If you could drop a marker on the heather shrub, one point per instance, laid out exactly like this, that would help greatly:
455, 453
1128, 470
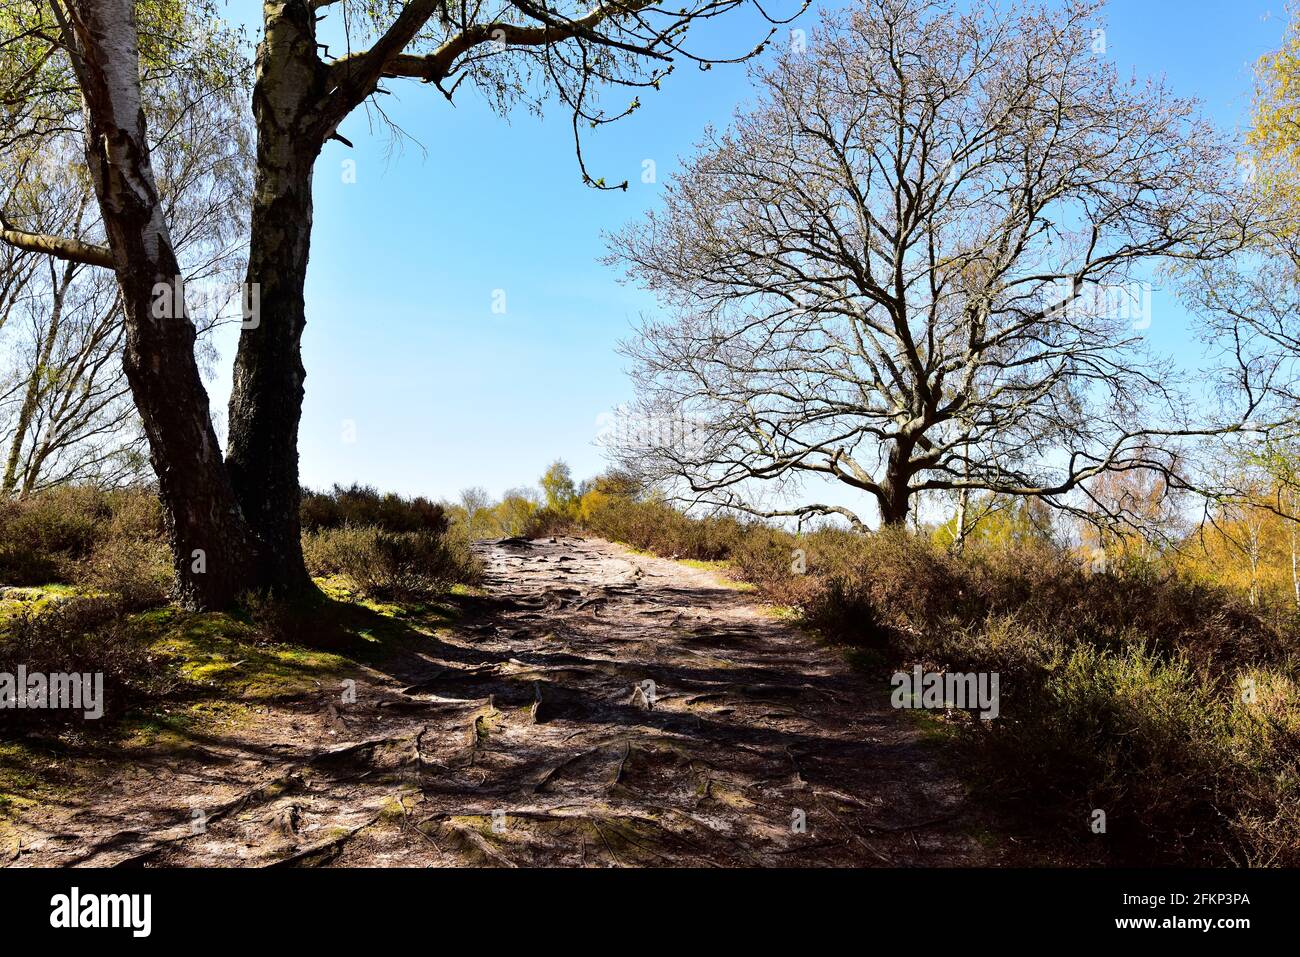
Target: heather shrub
383, 544
1142, 737
653, 526
138, 571
361, 505
46, 537
1264, 728
386, 564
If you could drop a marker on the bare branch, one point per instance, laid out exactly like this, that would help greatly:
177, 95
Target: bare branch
72, 250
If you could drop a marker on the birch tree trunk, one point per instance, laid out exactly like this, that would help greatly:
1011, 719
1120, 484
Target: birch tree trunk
212, 551
959, 540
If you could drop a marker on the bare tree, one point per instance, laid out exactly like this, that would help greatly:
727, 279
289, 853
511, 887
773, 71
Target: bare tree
73, 420
915, 266
1249, 305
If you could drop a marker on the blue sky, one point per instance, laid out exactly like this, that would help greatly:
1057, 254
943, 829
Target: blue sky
415, 384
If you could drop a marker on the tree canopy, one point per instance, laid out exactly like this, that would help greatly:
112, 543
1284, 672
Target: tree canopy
917, 265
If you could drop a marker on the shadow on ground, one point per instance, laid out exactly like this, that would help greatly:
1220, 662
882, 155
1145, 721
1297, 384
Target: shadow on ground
593, 708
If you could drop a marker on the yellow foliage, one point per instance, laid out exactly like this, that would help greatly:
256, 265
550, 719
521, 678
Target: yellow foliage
1250, 547
1275, 137
997, 521
591, 503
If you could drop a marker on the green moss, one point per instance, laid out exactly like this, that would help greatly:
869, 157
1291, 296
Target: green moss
173, 727
34, 599
394, 809
420, 614
486, 723
480, 824
225, 665
219, 651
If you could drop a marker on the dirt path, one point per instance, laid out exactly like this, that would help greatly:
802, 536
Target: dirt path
528, 735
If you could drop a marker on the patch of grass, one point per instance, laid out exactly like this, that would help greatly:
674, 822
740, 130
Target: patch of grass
722, 571
931, 726
787, 613
51, 590
710, 566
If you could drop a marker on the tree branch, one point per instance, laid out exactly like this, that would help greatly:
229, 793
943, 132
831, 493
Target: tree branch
72, 250
386, 59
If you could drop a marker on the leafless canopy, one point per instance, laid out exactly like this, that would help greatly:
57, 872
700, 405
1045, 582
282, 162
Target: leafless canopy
915, 265
1250, 307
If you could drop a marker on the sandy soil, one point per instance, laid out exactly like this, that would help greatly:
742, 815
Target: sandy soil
528, 735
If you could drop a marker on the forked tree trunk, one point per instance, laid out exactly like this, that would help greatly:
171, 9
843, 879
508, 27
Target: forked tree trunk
894, 497
212, 551
266, 401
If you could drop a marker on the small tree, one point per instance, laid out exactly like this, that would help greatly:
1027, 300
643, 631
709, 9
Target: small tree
913, 267
558, 489
515, 510
1151, 519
